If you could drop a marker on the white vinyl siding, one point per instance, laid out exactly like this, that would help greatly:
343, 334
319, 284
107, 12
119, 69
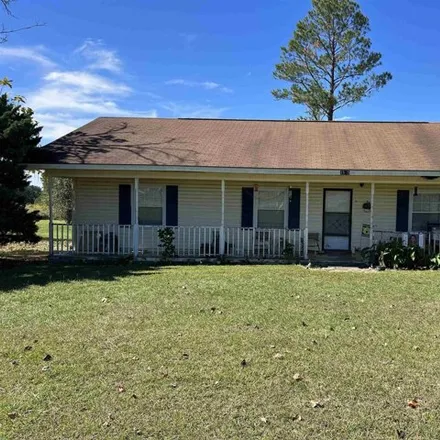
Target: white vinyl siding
97, 201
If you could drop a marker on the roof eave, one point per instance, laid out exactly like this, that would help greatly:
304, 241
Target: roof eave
274, 171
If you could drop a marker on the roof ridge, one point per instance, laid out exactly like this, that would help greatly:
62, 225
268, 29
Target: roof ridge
268, 120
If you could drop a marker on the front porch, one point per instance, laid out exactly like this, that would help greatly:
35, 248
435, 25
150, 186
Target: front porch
254, 220
195, 242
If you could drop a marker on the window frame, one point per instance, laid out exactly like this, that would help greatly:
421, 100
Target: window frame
286, 205
411, 206
164, 204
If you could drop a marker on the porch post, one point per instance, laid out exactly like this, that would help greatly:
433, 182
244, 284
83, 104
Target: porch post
136, 219
49, 190
373, 188
306, 229
222, 226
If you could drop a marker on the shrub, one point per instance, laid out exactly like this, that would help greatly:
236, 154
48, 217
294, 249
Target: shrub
289, 252
394, 255
166, 237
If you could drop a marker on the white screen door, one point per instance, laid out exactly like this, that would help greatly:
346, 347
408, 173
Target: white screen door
337, 220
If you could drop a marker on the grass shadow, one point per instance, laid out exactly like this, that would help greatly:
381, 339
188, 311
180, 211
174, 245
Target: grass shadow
41, 273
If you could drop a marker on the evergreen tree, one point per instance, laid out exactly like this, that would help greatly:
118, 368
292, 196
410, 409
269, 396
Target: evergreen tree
19, 135
329, 60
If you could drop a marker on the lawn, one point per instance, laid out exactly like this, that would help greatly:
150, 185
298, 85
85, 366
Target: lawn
218, 352
29, 251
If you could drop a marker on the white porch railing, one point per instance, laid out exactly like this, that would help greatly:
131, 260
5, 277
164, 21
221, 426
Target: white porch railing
263, 243
189, 241
385, 236
433, 243
431, 240
90, 239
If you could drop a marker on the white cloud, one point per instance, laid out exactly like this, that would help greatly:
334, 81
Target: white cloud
101, 57
207, 85
31, 54
58, 124
88, 82
183, 110
69, 99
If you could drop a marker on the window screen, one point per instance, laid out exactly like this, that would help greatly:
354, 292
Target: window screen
150, 205
271, 207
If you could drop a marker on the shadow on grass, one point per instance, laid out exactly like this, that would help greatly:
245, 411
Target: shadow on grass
19, 276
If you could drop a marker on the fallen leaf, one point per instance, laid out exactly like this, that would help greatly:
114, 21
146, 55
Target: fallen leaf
47, 358
413, 403
316, 404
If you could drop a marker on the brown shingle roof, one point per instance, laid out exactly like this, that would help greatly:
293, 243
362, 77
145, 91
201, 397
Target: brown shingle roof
250, 144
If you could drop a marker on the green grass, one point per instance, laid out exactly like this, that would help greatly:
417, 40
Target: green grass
364, 343
43, 229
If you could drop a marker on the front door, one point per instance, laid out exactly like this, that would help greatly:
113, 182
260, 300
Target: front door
337, 219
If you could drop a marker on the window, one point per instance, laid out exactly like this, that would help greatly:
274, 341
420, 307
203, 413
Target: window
426, 212
151, 205
271, 208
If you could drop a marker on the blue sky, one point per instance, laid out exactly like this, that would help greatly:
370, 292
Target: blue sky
199, 58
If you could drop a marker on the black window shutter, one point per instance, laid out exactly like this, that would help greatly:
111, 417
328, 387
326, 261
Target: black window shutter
247, 207
294, 208
172, 203
402, 211
125, 204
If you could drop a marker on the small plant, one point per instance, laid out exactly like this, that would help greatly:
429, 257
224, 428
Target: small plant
394, 255
166, 237
435, 262
289, 252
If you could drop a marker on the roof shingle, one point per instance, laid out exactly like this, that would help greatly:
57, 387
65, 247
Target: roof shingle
249, 144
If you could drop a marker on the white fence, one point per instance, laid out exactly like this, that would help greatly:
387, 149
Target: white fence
85, 239
198, 241
263, 243
189, 241
430, 241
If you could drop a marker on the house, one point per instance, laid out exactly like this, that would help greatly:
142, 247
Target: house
245, 188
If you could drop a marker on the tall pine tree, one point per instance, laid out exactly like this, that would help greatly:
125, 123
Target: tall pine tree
329, 61
19, 135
